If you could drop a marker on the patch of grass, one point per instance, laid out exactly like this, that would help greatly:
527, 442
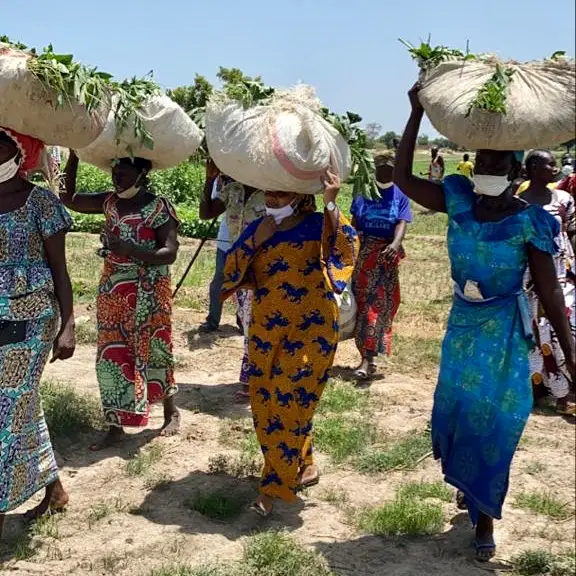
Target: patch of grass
17, 547
336, 496
141, 462
423, 490
545, 504
103, 510
402, 454
543, 563
340, 397
342, 436
160, 482
535, 468
403, 517
277, 554
46, 526
68, 413
240, 434
241, 466
197, 571
416, 352
217, 505
86, 333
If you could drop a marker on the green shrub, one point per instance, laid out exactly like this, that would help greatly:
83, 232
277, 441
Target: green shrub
182, 184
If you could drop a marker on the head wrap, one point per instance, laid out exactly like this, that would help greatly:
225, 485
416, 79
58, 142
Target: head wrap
30, 148
141, 164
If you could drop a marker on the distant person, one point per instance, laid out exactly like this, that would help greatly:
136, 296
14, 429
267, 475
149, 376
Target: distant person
395, 143
465, 167
382, 226
242, 205
547, 360
214, 317
436, 169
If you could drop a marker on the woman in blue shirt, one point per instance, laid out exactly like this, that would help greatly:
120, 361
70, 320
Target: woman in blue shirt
376, 285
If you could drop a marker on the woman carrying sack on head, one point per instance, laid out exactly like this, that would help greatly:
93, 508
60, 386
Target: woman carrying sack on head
36, 316
294, 260
547, 361
382, 226
483, 397
134, 363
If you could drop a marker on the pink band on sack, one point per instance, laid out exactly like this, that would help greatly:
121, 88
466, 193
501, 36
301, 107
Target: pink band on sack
286, 163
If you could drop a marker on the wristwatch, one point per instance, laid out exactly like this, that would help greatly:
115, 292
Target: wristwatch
330, 206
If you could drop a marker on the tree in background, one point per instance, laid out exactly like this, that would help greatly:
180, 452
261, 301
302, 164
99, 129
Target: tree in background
388, 139
194, 96
423, 141
373, 131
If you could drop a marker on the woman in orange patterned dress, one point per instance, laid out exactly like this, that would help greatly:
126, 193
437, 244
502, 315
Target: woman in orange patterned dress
134, 363
294, 260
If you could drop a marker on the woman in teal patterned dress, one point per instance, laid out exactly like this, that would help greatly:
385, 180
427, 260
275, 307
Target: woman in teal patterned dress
483, 398
35, 316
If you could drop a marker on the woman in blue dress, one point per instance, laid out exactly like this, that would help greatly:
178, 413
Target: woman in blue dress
483, 397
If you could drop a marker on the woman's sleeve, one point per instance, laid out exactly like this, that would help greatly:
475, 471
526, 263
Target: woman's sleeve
339, 251
541, 230
163, 212
458, 193
51, 214
237, 271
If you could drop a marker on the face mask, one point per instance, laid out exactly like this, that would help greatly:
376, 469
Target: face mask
130, 192
8, 170
490, 185
384, 186
280, 214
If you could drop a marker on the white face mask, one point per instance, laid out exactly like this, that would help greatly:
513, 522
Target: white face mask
384, 186
280, 214
490, 185
8, 170
130, 192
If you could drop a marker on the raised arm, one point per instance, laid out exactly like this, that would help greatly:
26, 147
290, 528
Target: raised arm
210, 207
424, 192
551, 297
84, 203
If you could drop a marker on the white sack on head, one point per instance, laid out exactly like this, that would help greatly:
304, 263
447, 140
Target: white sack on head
176, 137
540, 107
27, 107
285, 145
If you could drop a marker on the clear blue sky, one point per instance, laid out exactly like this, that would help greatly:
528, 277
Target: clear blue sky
348, 50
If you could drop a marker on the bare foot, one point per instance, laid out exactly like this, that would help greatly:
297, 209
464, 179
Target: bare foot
171, 425
59, 498
262, 506
113, 437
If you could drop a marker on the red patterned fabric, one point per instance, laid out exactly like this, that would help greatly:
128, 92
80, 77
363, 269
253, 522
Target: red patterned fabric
30, 148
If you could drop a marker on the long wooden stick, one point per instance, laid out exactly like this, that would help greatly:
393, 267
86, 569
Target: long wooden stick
202, 242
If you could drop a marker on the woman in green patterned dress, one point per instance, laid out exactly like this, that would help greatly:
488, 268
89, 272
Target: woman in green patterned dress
134, 362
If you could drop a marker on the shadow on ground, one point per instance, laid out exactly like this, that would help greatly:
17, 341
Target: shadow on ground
174, 504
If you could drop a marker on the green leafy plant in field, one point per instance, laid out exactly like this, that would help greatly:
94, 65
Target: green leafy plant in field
428, 56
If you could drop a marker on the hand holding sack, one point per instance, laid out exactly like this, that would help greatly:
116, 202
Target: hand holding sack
175, 137
284, 145
539, 105
29, 108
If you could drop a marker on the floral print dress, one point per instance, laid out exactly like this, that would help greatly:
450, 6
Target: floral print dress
27, 462
134, 363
